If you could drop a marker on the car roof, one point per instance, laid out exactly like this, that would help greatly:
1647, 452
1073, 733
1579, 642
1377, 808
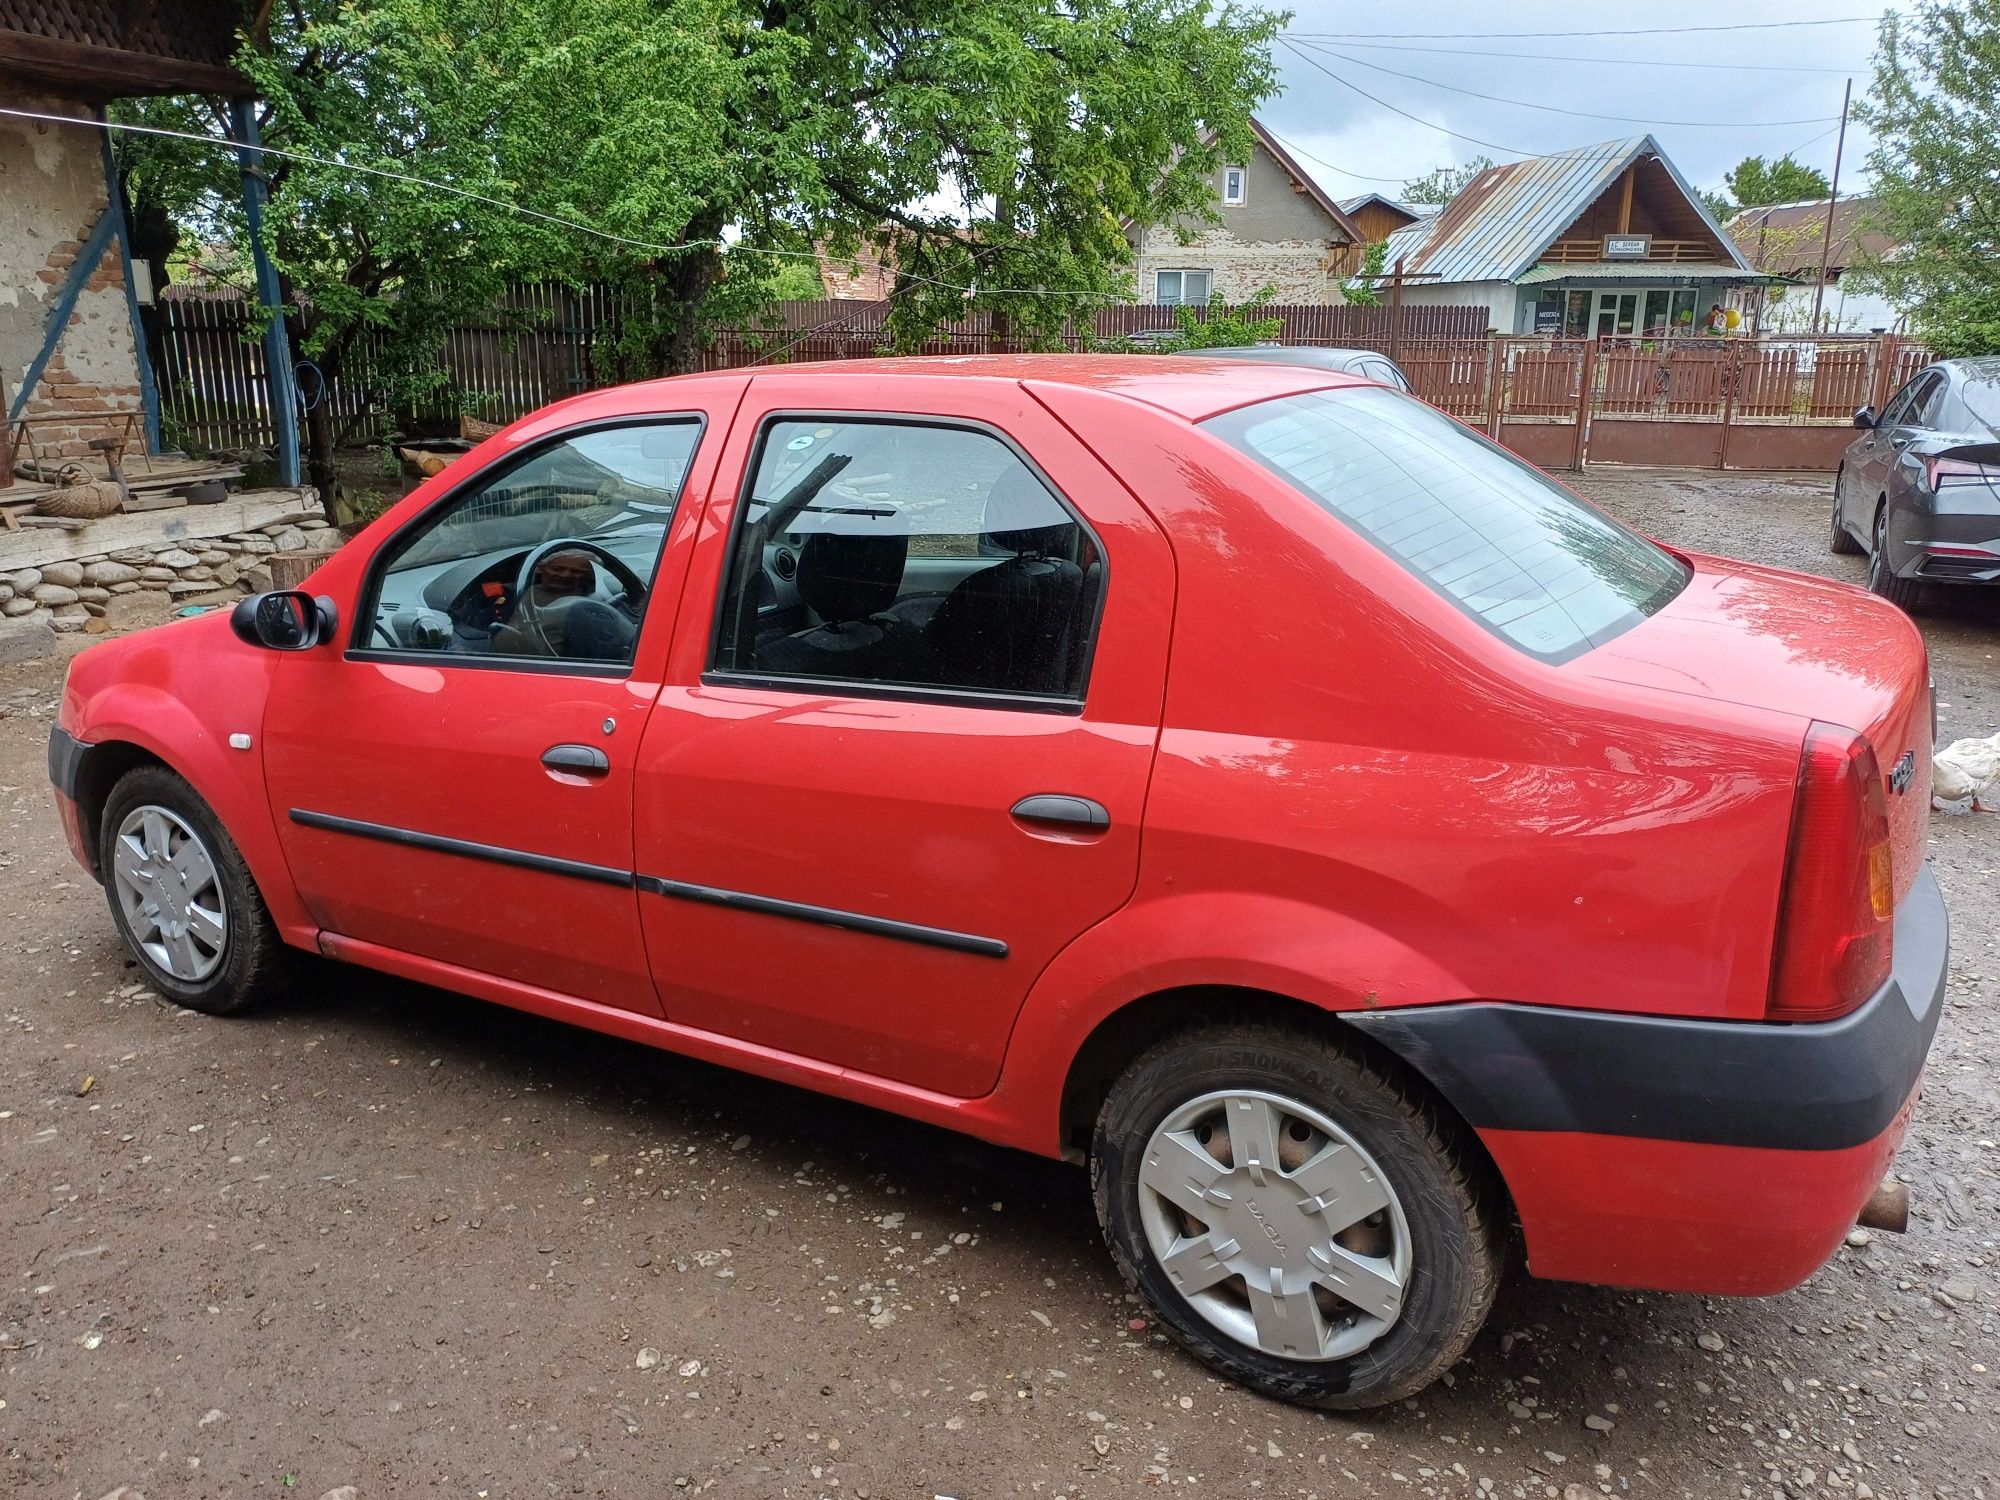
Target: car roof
1185, 384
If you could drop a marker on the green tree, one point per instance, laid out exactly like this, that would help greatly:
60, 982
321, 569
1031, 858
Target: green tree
1360, 289
1934, 111
1756, 183
1440, 187
1001, 145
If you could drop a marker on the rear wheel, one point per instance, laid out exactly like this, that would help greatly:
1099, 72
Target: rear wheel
183, 899
1841, 540
1298, 1219
1904, 593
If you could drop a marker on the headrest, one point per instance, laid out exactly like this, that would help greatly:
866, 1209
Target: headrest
844, 578
1023, 517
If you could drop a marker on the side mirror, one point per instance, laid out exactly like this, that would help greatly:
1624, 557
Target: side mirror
284, 620
1865, 418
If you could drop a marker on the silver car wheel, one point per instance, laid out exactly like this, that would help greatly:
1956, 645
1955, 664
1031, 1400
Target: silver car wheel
1275, 1225
170, 893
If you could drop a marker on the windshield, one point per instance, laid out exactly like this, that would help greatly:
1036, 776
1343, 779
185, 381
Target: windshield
595, 485
1508, 546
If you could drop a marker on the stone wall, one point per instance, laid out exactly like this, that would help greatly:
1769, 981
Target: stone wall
76, 593
52, 193
1240, 268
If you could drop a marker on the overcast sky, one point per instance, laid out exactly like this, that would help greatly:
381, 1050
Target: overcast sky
1631, 80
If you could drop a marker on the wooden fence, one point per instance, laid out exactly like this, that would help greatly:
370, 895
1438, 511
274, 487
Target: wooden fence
549, 341
1777, 401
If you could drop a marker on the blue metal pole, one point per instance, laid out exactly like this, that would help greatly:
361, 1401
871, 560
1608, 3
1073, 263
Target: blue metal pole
277, 345
149, 392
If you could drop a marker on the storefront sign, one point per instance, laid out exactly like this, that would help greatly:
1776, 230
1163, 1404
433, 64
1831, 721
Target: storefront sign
1627, 246
1548, 317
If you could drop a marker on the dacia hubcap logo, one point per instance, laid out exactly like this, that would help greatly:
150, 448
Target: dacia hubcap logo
1264, 1223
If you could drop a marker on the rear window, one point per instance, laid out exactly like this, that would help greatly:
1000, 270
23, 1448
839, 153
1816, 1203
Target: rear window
1515, 551
1981, 396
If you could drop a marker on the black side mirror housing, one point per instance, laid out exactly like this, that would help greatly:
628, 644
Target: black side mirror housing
284, 620
1865, 418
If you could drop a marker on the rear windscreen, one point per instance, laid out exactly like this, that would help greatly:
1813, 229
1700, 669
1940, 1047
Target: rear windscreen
1510, 547
1982, 399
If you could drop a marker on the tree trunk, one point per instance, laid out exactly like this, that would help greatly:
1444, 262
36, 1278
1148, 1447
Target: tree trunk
320, 467
685, 280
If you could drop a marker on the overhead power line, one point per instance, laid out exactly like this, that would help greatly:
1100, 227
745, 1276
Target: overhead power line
1460, 36
385, 173
1565, 57
1457, 135
1555, 109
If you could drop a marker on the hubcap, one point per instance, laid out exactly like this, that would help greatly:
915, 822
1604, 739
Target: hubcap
170, 894
1275, 1225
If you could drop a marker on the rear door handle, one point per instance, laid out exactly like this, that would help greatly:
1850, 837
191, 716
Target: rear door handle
1060, 810
577, 760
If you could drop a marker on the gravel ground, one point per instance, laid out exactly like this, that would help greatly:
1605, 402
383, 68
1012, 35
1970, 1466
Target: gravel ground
383, 1237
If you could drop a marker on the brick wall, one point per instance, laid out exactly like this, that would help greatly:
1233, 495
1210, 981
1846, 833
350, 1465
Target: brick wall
52, 193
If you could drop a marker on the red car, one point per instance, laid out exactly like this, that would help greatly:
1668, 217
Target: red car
1242, 778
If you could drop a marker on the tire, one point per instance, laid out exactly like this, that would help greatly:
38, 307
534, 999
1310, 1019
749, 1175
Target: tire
223, 967
1841, 541
1438, 1232
1905, 593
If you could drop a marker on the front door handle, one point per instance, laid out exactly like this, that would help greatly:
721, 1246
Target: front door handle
577, 760
1060, 810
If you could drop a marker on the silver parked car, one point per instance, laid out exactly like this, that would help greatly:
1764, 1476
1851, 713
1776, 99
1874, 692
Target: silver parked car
1363, 362
1919, 489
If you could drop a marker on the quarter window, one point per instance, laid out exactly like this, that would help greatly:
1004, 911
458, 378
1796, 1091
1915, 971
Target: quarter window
905, 555
549, 561
1171, 288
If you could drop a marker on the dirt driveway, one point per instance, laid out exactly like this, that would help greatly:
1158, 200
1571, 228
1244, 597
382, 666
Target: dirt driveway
385, 1238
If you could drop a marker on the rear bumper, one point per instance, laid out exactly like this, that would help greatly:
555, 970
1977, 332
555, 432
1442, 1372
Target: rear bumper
1710, 1156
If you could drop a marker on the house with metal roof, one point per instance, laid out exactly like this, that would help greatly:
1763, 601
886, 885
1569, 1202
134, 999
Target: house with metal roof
1273, 227
1603, 241
1787, 239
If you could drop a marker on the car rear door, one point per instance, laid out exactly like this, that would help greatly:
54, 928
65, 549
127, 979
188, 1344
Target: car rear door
871, 811
465, 798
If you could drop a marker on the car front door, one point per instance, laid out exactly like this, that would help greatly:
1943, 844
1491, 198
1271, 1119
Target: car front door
457, 785
902, 753
1865, 474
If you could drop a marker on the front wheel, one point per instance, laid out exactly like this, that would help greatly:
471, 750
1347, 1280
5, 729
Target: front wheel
183, 899
1904, 593
1301, 1221
1841, 539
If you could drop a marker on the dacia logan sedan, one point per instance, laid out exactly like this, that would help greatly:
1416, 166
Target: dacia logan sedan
1242, 778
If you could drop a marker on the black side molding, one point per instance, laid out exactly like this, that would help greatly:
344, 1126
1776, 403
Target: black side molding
827, 916
1819, 1086
66, 754
497, 854
708, 895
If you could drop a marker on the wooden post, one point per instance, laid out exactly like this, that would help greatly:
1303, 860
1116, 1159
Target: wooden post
277, 344
1832, 201
1496, 366
1625, 207
1396, 314
1581, 451
1732, 369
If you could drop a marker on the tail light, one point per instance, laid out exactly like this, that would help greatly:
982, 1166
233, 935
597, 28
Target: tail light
1954, 471
1835, 934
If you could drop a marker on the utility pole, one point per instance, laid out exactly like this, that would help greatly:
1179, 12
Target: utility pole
1832, 200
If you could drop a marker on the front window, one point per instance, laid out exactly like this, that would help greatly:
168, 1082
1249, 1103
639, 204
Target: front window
548, 561
1511, 548
1232, 186
1171, 288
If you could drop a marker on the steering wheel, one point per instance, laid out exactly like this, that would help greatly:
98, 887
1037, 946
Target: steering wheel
526, 615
